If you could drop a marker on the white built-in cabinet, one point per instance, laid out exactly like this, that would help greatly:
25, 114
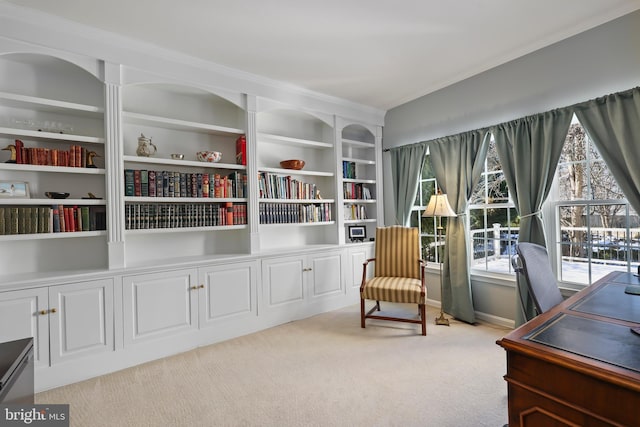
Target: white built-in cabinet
179, 302
55, 111
66, 321
156, 305
187, 198
295, 286
357, 255
128, 285
361, 192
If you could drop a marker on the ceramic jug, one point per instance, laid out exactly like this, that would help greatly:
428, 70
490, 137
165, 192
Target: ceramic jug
146, 148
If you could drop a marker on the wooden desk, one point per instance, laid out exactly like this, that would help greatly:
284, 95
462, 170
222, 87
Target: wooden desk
579, 363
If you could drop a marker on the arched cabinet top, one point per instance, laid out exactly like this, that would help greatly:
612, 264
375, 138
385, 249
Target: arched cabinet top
41, 79
189, 104
297, 124
359, 132
132, 77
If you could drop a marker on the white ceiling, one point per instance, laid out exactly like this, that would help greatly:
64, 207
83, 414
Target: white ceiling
374, 52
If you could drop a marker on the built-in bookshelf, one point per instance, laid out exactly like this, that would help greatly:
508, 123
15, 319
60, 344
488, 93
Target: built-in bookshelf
359, 178
301, 198
52, 140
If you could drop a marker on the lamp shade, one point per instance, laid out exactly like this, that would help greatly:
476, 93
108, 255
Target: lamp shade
439, 206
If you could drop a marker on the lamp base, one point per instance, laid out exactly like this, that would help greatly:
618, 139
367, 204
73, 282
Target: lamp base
441, 320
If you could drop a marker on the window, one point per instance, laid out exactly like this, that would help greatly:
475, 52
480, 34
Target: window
596, 230
427, 226
493, 221
599, 232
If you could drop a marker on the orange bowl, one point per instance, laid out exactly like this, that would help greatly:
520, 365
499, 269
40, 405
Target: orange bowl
292, 164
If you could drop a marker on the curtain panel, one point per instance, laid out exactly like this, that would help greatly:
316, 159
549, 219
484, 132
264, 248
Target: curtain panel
406, 167
457, 163
529, 150
613, 123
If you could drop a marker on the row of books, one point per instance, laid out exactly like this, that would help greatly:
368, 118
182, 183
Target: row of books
353, 212
357, 191
51, 219
150, 183
293, 213
348, 170
273, 186
144, 216
75, 157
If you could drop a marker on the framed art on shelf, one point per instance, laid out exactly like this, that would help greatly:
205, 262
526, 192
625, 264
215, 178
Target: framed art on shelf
14, 189
357, 233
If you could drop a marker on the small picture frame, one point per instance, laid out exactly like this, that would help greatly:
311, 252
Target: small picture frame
14, 189
357, 233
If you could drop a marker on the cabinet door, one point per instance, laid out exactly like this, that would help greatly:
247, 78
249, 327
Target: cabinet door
24, 314
324, 274
229, 292
282, 286
357, 256
159, 304
81, 319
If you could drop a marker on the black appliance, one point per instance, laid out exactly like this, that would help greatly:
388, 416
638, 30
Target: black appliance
16, 372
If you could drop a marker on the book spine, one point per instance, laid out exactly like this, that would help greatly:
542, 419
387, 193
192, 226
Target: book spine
152, 183
137, 183
129, 188
144, 183
56, 219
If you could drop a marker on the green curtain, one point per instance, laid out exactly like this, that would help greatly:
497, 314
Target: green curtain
529, 150
406, 167
457, 164
613, 123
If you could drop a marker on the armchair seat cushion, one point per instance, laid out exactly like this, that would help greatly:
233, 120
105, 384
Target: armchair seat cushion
394, 289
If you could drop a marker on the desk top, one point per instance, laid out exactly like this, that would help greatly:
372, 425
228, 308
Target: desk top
591, 329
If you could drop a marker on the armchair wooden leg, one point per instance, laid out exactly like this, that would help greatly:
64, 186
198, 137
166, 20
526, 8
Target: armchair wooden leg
423, 316
361, 312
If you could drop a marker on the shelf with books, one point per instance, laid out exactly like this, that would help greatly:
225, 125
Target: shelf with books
37, 220
52, 135
301, 198
155, 216
192, 186
359, 178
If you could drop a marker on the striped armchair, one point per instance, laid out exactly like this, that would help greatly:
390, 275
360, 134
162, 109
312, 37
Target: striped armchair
398, 274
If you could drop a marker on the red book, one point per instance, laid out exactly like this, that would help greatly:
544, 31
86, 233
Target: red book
229, 207
63, 224
137, 183
67, 219
19, 146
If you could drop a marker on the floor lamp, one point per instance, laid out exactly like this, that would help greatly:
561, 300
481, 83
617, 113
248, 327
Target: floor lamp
438, 207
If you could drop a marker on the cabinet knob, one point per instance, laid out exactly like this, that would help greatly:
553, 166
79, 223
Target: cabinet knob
307, 269
43, 312
193, 288
201, 286
53, 310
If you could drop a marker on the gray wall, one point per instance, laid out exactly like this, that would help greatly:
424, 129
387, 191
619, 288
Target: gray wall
597, 62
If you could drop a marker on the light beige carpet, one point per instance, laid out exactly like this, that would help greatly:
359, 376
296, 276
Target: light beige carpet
321, 371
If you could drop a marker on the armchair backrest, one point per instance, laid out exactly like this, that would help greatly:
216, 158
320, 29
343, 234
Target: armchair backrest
397, 252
